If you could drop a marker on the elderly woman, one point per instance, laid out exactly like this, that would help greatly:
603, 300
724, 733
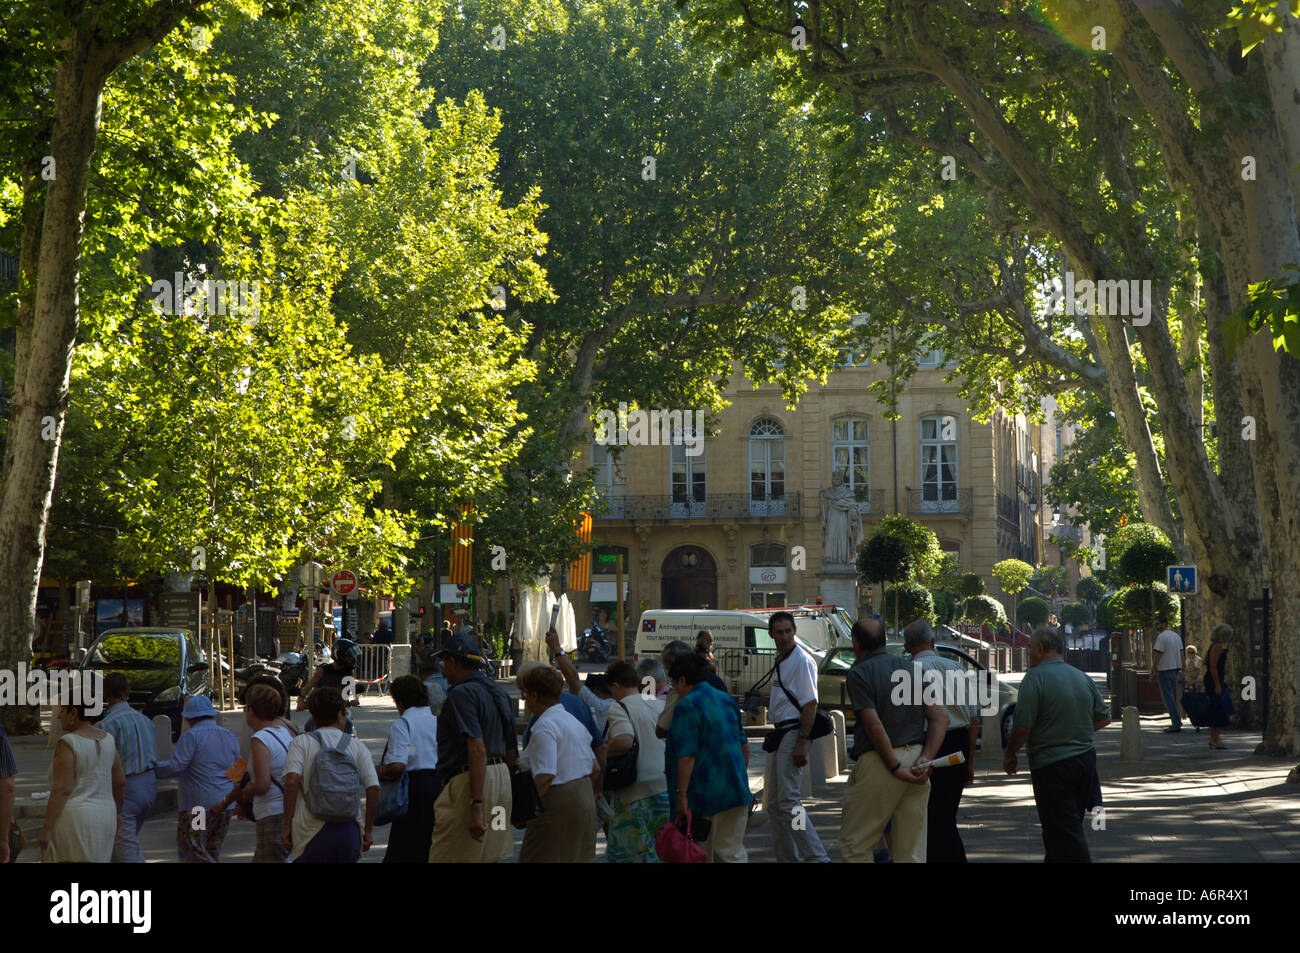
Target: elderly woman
204, 752
560, 759
1216, 683
412, 750
87, 788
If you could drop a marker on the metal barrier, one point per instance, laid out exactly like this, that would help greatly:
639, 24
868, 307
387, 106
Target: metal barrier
741, 668
373, 667
1088, 660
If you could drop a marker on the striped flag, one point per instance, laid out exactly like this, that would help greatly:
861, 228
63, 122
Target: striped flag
580, 569
462, 548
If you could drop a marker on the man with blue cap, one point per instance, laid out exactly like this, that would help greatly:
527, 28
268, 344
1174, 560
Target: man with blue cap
204, 752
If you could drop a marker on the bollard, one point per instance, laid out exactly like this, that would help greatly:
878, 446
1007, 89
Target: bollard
235, 722
991, 739
828, 753
162, 737
399, 662
841, 740
1130, 740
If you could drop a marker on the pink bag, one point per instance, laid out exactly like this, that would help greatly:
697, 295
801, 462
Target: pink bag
674, 847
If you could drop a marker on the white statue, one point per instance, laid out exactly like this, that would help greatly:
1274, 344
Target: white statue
841, 523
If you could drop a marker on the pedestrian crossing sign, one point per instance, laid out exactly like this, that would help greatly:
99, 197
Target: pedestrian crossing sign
1182, 580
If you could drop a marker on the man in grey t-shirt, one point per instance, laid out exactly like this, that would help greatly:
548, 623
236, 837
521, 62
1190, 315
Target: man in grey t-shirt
887, 741
1168, 654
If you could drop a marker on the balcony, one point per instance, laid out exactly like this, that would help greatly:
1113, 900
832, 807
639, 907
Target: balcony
950, 503
1009, 510
716, 506
874, 504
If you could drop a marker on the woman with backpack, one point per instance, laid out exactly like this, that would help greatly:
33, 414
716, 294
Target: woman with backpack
262, 797
326, 773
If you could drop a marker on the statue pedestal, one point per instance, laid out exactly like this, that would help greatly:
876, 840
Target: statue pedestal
839, 586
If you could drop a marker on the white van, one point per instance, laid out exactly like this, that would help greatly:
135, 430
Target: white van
744, 650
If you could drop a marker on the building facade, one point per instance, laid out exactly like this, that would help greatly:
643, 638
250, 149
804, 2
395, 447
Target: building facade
740, 524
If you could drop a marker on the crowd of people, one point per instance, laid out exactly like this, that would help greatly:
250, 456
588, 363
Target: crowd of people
634, 752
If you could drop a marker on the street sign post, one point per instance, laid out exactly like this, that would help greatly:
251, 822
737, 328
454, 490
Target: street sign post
343, 583
1181, 580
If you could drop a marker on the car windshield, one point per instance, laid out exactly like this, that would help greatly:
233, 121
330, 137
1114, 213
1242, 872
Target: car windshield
136, 650
839, 660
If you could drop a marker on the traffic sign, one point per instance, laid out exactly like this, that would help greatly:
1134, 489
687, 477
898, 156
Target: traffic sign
1181, 580
343, 582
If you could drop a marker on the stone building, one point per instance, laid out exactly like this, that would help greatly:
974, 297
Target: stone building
741, 523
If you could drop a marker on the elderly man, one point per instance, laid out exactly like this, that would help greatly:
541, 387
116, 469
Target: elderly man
653, 669
203, 754
943, 840
792, 706
477, 746
133, 734
887, 742
1058, 711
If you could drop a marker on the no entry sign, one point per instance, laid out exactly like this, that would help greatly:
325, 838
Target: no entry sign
343, 582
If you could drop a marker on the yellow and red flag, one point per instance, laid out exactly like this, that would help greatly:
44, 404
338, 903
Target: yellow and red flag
580, 569
462, 548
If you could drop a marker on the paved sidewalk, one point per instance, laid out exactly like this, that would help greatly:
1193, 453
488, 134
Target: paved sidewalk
1184, 803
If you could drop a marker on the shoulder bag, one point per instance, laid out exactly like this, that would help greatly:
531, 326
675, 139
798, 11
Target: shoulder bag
620, 770
821, 726
395, 795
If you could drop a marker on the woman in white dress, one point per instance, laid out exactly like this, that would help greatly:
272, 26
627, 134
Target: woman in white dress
86, 790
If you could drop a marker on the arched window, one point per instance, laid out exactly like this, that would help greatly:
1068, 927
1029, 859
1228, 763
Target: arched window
766, 468
851, 457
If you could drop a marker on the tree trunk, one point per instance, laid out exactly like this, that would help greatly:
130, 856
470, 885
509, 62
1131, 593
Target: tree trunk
44, 355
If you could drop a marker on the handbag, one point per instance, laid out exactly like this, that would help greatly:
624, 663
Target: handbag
674, 846
395, 795
526, 803
621, 769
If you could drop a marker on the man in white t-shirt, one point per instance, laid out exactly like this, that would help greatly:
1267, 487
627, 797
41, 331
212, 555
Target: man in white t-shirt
792, 706
1168, 654
309, 838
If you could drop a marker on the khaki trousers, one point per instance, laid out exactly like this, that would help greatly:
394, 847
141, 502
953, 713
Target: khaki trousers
452, 843
726, 841
872, 798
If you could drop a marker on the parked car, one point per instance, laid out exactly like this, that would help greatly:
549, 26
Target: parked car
832, 678
165, 667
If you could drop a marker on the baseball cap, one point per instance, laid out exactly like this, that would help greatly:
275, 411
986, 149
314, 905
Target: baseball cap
462, 646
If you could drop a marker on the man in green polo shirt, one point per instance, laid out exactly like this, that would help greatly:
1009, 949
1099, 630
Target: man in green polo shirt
1058, 711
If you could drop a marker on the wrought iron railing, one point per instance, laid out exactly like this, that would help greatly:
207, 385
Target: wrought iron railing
713, 506
944, 501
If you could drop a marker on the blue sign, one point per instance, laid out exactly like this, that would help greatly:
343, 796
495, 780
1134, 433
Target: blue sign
1181, 580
